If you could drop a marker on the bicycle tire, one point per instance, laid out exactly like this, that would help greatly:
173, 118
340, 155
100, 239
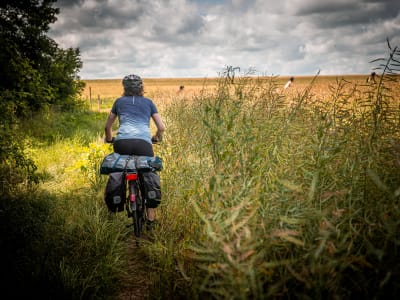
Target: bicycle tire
137, 223
136, 212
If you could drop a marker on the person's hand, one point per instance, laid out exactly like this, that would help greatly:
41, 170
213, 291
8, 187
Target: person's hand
109, 142
155, 140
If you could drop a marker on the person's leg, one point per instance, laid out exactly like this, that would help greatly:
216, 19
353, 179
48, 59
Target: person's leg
151, 219
151, 214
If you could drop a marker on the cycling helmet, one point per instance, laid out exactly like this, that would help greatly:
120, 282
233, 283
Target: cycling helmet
133, 85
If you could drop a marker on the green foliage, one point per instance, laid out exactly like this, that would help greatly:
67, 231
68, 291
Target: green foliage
89, 164
92, 258
34, 74
16, 170
34, 71
51, 125
24, 219
59, 247
57, 238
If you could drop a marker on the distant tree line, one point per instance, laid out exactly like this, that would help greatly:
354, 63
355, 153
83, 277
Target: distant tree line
35, 73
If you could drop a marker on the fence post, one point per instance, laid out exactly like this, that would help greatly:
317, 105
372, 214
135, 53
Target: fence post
90, 97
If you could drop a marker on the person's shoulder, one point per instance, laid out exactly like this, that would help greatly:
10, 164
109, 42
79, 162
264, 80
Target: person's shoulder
119, 98
147, 100
122, 98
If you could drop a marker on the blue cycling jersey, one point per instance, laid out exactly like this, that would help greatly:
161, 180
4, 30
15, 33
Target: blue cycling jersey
134, 113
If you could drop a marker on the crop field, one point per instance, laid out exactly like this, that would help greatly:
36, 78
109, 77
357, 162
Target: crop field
99, 94
112, 88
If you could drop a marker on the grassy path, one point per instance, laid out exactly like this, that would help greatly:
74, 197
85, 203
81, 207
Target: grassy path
137, 280
68, 164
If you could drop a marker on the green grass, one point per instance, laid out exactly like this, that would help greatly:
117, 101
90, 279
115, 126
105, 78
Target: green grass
60, 229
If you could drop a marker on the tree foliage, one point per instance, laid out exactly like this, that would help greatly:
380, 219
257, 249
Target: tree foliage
34, 73
32, 66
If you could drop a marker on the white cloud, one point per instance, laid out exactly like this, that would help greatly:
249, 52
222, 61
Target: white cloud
193, 38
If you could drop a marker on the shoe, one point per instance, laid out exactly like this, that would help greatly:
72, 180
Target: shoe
150, 225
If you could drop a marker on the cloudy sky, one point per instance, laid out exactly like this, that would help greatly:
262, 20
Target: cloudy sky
199, 38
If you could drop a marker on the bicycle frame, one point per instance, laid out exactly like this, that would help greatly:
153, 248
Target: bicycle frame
135, 206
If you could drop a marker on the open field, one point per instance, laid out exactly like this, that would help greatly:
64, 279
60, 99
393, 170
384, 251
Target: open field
163, 89
112, 88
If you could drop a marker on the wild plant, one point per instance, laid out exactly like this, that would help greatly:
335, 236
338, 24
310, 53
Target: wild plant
89, 164
289, 200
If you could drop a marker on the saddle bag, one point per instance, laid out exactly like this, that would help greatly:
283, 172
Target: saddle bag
152, 188
115, 192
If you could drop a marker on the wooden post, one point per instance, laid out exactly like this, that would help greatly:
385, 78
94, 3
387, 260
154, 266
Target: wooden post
90, 97
98, 102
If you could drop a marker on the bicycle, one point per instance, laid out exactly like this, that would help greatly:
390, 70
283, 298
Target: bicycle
134, 190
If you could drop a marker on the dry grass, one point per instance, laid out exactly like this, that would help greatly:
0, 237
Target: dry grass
112, 88
166, 88
100, 94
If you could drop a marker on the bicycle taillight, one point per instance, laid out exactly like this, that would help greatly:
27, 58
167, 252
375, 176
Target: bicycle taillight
131, 176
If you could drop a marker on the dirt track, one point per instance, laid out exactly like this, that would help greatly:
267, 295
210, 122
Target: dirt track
137, 282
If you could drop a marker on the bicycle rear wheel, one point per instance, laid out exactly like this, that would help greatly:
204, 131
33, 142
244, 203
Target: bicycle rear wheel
136, 209
137, 223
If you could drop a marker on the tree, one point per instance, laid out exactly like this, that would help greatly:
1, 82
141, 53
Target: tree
32, 66
34, 73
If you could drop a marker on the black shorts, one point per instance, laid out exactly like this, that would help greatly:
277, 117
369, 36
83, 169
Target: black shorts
133, 147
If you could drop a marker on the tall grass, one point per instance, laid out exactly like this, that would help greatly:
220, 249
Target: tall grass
267, 200
57, 240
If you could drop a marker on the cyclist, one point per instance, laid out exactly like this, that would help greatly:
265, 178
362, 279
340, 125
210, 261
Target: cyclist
134, 112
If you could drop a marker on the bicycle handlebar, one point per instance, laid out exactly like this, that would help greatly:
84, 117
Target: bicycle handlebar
109, 142
155, 140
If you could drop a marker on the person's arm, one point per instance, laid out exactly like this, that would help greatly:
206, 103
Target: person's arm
108, 129
160, 127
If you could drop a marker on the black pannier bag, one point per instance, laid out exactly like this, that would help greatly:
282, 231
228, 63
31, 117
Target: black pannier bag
152, 188
115, 192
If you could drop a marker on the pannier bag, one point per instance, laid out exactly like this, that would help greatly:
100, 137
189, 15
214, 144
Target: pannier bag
115, 162
115, 192
152, 187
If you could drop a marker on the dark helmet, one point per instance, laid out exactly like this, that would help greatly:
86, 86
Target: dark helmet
133, 84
